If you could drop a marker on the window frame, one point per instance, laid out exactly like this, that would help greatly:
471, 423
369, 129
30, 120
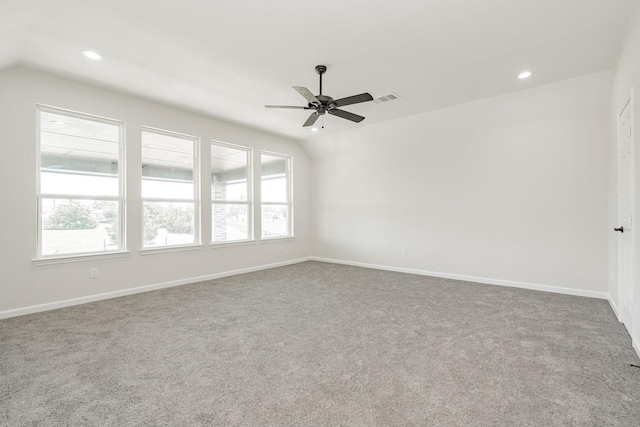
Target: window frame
289, 193
120, 198
196, 194
250, 196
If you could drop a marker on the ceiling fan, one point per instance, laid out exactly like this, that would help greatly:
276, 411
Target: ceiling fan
325, 104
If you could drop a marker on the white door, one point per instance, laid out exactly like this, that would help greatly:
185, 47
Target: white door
625, 212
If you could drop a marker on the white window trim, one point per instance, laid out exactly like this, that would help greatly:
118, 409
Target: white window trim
232, 243
172, 248
79, 257
121, 198
249, 203
196, 196
289, 203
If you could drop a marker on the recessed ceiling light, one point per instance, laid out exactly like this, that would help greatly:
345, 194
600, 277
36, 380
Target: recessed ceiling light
314, 129
525, 75
58, 123
92, 55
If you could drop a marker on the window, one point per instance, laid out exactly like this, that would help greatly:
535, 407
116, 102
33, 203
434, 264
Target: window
80, 185
276, 208
170, 208
231, 211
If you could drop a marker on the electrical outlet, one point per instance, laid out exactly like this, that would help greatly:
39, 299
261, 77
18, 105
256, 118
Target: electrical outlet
403, 252
280, 248
93, 273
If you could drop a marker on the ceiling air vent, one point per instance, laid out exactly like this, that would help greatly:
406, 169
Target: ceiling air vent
386, 98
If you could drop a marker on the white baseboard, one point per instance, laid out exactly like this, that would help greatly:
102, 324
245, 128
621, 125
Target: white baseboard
614, 307
484, 280
108, 295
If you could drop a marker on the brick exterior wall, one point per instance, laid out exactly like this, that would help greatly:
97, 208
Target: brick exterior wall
219, 212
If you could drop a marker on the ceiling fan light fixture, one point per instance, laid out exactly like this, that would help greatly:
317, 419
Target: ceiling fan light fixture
92, 54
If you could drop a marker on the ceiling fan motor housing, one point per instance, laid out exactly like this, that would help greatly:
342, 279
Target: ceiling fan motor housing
326, 103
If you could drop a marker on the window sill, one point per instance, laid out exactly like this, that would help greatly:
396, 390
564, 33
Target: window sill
236, 243
168, 249
277, 239
78, 258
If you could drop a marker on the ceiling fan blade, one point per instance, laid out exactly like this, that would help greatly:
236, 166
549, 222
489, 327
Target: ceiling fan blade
346, 115
311, 120
306, 93
355, 99
287, 106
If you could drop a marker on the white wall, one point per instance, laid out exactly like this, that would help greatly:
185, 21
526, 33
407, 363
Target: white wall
508, 189
23, 284
626, 77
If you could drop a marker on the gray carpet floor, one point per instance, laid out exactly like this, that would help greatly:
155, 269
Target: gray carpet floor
321, 344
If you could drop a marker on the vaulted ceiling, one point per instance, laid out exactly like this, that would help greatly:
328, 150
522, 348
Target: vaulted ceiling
230, 58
